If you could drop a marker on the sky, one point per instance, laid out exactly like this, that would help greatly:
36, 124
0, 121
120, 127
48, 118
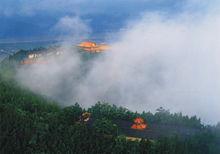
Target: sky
36, 19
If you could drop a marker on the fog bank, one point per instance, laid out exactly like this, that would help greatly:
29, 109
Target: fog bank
155, 61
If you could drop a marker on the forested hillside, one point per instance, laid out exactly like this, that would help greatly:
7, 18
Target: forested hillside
30, 123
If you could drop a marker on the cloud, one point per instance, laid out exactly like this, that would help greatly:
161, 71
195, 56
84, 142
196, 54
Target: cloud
155, 62
30, 8
72, 27
56, 79
31, 19
81, 7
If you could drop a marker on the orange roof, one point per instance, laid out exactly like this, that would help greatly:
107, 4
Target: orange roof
139, 124
87, 44
93, 47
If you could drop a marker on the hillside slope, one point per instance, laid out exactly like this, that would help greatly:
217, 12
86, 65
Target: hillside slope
30, 123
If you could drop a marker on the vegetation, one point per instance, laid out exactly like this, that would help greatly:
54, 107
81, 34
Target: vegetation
30, 123
162, 116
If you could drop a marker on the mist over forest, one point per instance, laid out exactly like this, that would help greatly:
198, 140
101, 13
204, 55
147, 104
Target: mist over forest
119, 76
143, 70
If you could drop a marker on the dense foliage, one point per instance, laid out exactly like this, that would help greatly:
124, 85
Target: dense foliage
162, 116
32, 124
